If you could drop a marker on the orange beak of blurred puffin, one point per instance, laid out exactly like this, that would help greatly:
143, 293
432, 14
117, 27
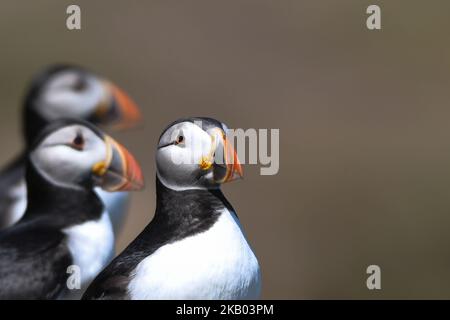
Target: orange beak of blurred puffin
223, 159
119, 171
117, 108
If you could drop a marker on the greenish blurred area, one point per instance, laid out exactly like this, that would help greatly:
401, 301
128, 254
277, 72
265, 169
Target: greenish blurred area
363, 117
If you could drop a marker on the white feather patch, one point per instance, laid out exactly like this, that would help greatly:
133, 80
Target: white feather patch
91, 245
215, 264
19, 195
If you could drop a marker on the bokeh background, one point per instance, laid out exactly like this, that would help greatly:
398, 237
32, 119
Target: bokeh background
363, 116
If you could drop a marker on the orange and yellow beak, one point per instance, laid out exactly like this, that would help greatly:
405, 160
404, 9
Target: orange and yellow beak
223, 159
234, 168
119, 171
117, 109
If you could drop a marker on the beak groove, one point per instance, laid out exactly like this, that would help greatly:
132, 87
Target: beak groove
120, 170
228, 167
234, 167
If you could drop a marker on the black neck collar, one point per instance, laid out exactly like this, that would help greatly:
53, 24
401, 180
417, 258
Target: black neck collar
188, 204
59, 206
180, 214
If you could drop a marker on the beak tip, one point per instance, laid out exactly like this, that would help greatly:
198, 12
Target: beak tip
140, 185
124, 171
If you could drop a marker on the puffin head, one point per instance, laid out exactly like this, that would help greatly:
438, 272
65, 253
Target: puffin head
74, 153
66, 91
194, 153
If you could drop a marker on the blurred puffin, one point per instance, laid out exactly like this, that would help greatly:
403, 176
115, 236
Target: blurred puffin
64, 91
65, 222
194, 248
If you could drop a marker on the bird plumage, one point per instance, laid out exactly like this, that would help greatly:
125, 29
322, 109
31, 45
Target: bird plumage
63, 91
65, 224
34, 253
194, 247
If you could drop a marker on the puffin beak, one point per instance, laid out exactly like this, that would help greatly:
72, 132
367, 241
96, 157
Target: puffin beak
223, 159
233, 166
119, 171
117, 108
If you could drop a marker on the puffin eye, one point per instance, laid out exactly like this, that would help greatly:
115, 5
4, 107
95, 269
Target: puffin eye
180, 139
78, 142
79, 85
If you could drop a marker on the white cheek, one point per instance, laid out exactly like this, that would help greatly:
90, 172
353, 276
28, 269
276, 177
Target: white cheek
177, 155
178, 166
65, 103
198, 147
174, 176
55, 165
63, 165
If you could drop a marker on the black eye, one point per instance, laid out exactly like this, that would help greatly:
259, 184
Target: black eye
180, 139
79, 85
78, 142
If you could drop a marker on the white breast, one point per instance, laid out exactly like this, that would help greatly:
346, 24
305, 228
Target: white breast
215, 264
91, 245
18, 196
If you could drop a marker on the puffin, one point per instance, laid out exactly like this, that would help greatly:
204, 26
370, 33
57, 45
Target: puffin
65, 225
66, 91
195, 246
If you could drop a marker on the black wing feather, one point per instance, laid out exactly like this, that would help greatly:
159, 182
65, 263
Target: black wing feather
33, 263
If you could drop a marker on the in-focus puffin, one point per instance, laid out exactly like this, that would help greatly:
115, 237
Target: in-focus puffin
65, 223
194, 248
63, 91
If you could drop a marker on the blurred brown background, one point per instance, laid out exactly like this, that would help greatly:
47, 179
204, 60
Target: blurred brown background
363, 118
